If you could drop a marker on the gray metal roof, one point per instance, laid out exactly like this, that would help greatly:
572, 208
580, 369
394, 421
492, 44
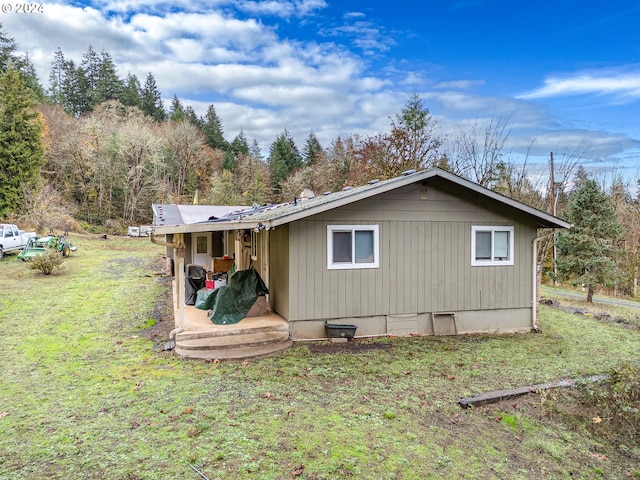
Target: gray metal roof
274, 215
172, 214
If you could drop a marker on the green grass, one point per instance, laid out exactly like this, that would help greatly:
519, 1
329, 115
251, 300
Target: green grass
84, 393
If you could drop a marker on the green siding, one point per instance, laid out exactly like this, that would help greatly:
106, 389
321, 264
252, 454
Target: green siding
279, 270
425, 260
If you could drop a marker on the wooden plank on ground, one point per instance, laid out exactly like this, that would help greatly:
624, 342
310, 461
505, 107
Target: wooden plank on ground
500, 395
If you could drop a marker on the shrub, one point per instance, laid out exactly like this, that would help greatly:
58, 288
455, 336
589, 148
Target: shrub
47, 262
617, 399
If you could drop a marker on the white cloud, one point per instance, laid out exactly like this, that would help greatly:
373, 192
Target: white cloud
621, 84
262, 83
459, 84
281, 8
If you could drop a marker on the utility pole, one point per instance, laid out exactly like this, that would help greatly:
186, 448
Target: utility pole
552, 186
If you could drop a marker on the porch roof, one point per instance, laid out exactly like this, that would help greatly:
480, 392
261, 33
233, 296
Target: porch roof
269, 216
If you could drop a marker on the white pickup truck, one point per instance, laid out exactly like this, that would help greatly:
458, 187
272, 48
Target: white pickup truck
12, 239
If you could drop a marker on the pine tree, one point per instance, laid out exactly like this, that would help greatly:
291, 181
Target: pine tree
30, 78
130, 95
21, 144
108, 84
239, 145
56, 77
588, 251
312, 150
8, 48
284, 157
75, 90
212, 130
176, 111
151, 100
190, 114
254, 150
21, 63
91, 66
236, 149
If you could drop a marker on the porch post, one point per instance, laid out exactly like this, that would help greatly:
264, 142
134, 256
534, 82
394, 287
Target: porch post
265, 256
179, 248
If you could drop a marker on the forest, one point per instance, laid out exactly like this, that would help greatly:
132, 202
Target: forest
91, 150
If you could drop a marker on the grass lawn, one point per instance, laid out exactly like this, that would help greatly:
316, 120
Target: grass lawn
86, 394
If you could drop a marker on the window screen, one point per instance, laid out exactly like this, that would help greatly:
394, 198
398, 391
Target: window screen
501, 245
483, 245
364, 246
342, 247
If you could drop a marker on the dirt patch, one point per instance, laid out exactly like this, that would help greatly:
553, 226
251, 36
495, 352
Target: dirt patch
352, 346
163, 315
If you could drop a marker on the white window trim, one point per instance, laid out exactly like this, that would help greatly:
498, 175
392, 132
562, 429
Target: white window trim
492, 229
353, 228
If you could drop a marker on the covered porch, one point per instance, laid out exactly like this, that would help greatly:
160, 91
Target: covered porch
261, 332
200, 338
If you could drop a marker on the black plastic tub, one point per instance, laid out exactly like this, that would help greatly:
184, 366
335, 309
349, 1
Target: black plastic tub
340, 330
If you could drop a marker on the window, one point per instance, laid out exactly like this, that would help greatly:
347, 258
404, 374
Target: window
202, 244
491, 246
352, 246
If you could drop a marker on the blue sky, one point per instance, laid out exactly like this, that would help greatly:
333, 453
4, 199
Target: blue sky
565, 73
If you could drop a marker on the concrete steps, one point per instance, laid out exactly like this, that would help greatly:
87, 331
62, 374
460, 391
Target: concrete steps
242, 340
237, 352
237, 330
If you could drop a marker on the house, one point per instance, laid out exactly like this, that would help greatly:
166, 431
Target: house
425, 253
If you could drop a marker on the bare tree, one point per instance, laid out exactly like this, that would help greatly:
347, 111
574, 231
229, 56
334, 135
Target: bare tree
477, 150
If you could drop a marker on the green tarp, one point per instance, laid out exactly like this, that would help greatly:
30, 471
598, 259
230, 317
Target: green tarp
230, 303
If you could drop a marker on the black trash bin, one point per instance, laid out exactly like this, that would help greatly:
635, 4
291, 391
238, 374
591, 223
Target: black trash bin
196, 279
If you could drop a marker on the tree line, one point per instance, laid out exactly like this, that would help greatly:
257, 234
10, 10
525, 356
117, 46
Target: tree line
95, 148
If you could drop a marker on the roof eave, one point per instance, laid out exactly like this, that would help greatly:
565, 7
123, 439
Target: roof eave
339, 202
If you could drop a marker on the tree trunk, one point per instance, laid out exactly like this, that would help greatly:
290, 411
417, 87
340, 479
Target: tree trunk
590, 294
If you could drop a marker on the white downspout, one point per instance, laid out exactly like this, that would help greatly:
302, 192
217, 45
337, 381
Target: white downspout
534, 310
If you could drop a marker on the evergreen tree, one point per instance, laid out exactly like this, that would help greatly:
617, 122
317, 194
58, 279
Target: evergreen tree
412, 143
56, 77
588, 252
212, 130
151, 100
30, 78
176, 111
192, 117
22, 64
239, 145
108, 84
21, 144
74, 90
254, 150
228, 161
236, 149
91, 66
131, 92
8, 48
284, 157
312, 150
